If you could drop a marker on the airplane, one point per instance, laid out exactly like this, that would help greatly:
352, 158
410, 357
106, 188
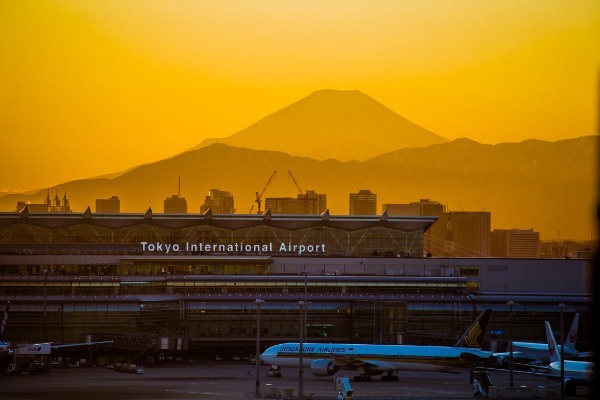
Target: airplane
575, 372
537, 353
325, 359
24, 356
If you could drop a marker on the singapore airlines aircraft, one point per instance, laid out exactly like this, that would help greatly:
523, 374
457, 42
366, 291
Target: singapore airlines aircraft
371, 359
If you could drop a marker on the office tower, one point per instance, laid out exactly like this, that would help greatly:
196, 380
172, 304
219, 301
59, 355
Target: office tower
515, 243
111, 205
219, 202
469, 233
363, 203
176, 204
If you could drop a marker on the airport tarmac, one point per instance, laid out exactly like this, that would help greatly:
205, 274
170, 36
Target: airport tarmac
237, 380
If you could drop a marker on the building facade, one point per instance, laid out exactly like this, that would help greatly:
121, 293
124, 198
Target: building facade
219, 202
515, 243
55, 204
188, 284
310, 202
363, 203
175, 205
469, 233
111, 205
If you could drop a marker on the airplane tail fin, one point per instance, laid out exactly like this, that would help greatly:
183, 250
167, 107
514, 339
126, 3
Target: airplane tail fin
572, 336
473, 337
4, 320
552, 348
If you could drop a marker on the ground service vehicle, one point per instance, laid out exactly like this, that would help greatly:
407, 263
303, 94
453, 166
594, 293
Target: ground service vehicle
342, 385
274, 371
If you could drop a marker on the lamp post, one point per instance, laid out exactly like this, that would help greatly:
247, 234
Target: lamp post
303, 305
301, 353
258, 302
510, 305
45, 310
562, 351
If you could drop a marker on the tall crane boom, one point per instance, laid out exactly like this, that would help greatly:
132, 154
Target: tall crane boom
259, 195
295, 183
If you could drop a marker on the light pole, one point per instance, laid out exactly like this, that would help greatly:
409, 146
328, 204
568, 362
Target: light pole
303, 305
301, 353
510, 305
258, 302
562, 351
45, 298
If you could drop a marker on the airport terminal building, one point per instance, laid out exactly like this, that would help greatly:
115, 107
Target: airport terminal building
197, 283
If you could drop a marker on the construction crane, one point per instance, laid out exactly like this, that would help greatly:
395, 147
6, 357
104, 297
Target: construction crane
259, 195
295, 183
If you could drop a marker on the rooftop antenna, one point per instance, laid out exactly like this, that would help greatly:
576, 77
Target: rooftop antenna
179, 187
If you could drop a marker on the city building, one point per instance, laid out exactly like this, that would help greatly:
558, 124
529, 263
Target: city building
55, 205
175, 204
310, 202
111, 205
363, 203
32, 207
179, 285
219, 202
469, 233
515, 243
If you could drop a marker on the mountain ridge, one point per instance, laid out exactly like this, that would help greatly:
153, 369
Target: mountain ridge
547, 186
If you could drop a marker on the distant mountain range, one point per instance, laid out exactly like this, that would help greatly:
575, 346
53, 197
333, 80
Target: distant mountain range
547, 186
339, 124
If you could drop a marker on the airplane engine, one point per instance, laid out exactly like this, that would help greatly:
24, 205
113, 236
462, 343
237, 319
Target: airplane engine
502, 361
323, 368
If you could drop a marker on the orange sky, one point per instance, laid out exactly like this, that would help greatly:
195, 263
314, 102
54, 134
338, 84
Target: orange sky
125, 82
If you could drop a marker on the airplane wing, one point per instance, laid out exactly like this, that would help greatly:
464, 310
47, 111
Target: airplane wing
60, 346
46, 348
521, 369
351, 363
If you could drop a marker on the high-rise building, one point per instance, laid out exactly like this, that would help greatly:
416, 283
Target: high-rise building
363, 203
218, 201
310, 202
515, 243
469, 233
176, 204
111, 205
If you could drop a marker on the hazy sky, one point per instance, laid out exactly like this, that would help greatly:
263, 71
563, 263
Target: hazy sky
92, 87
